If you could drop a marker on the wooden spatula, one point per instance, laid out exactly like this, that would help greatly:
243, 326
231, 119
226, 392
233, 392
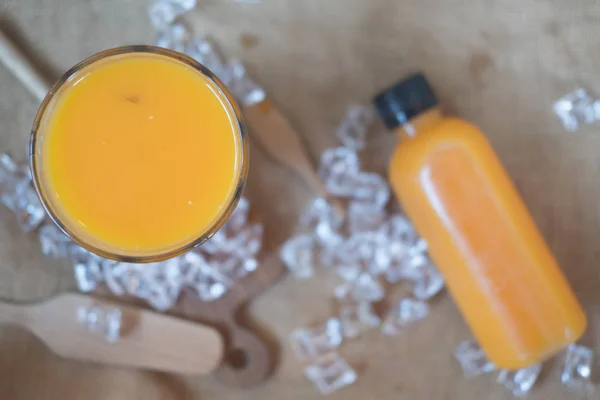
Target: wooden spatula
148, 340
276, 136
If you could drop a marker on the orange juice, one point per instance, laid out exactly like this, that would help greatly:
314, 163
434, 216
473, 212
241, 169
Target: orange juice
497, 266
139, 153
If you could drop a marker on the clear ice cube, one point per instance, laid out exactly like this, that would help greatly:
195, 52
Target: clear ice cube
356, 317
402, 263
53, 241
164, 281
353, 130
405, 312
233, 268
520, 382
207, 282
338, 169
87, 267
205, 53
103, 320
175, 37
364, 218
399, 229
362, 249
310, 343
472, 359
330, 373
237, 241
367, 288
577, 368
239, 216
371, 191
243, 88
298, 254
163, 13
324, 220
125, 278
577, 108
18, 195
427, 281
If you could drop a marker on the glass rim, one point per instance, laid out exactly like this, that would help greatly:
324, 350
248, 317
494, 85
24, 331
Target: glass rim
178, 249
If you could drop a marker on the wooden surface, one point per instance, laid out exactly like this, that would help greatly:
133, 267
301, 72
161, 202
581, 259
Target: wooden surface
499, 63
144, 335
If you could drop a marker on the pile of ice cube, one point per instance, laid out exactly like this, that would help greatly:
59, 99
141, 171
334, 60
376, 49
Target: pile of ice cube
208, 271
368, 247
575, 369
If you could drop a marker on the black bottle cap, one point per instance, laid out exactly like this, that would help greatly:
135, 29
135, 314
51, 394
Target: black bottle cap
405, 100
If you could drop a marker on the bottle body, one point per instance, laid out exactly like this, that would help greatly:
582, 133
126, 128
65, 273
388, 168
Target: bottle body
497, 266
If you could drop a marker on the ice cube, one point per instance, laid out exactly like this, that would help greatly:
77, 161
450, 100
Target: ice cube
298, 254
87, 267
577, 368
472, 359
330, 373
356, 317
163, 13
53, 241
324, 221
207, 282
405, 312
427, 281
175, 37
310, 343
338, 169
371, 192
205, 53
243, 88
353, 130
577, 108
519, 382
103, 320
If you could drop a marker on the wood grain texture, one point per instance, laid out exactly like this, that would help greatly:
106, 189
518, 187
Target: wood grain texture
499, 63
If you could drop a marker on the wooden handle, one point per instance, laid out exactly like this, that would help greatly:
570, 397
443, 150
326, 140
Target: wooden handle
148, 340
22, 69
248, 359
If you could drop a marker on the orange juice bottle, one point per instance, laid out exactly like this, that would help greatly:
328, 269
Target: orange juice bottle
139, 153
497, 266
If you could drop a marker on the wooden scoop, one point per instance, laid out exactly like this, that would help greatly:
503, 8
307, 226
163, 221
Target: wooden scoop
148, 340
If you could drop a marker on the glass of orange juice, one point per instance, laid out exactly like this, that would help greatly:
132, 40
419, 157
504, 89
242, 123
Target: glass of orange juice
139, 153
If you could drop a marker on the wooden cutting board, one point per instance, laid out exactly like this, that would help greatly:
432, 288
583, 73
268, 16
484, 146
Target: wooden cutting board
498, 63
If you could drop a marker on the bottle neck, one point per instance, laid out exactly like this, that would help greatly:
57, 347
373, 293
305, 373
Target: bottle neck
419, 123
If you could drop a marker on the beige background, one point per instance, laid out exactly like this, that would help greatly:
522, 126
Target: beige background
499, 63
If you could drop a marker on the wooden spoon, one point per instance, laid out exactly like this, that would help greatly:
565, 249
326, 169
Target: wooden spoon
148, 340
